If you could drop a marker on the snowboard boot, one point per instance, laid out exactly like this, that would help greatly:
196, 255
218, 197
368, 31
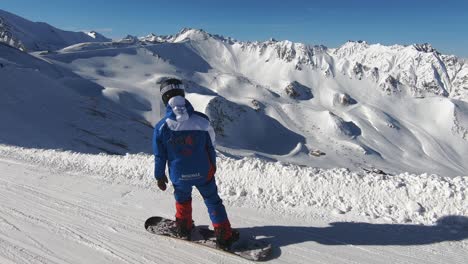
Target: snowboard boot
184, 228
184, 223
225, 235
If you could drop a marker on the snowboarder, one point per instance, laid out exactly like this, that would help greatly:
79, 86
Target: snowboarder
185, 140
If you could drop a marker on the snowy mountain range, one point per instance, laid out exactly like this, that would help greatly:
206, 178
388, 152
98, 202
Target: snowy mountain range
355, 154
360, 106
417, 69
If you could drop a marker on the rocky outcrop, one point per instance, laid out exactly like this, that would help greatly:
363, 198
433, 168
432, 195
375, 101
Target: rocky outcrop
296, 90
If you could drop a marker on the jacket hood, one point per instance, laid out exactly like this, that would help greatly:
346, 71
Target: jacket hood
170, 112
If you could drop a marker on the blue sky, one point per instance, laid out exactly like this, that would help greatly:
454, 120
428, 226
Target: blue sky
444, 24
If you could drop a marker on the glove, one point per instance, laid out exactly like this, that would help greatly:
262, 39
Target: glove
162, 183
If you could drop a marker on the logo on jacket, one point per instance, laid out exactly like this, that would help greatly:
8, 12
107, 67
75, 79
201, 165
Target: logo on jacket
189, 140
190, 176
186, 142
182, 140
186, 152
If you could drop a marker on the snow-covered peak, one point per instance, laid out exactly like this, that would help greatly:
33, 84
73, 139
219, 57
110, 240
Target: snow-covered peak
129, 39
36, 36
152, 38
354, 45
97, 36
285, 49
187, 34
425, 47
417, 69
192, 34
92, 34
351, 47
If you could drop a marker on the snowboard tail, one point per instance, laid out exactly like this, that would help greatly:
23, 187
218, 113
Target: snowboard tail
246, 247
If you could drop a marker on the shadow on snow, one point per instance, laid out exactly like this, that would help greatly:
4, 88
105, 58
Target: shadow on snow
448, 228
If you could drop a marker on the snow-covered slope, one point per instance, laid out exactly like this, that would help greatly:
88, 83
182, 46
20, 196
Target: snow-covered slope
34, 36
316, 108
62, 207
417, 69
44, 105
284, 188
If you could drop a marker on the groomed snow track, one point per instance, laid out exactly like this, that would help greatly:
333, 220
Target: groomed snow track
59, 207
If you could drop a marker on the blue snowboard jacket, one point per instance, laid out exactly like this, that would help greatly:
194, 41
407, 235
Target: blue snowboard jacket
187, 147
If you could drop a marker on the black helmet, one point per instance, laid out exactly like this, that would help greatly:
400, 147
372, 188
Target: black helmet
170, 88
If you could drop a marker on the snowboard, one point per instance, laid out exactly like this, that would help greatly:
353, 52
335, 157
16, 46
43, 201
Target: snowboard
246, 247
